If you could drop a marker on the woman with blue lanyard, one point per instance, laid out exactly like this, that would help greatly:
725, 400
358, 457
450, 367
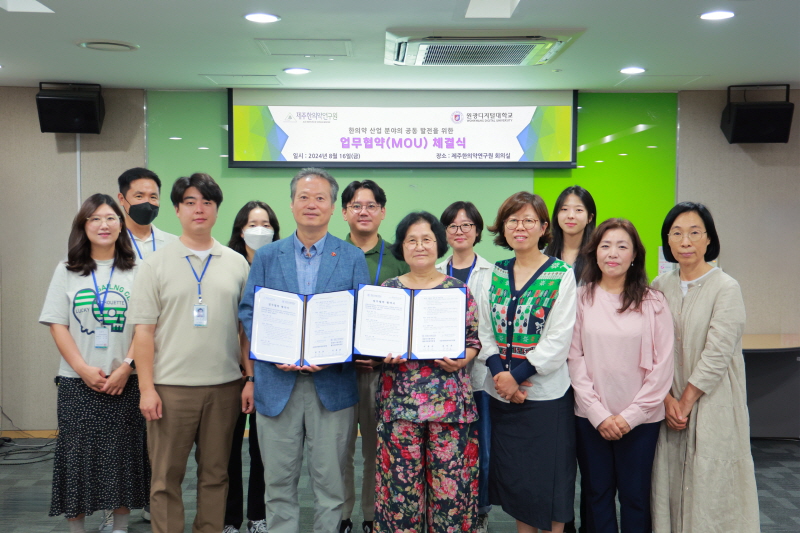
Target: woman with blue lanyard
464, 226
101, 459
255, 225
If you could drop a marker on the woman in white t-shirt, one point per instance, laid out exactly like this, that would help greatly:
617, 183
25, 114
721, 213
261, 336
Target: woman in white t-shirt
101, 459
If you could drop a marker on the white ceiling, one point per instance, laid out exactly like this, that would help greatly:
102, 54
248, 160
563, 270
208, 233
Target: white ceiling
183, 41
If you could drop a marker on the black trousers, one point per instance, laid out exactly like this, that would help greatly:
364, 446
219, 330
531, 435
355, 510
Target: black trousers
234, 506
621, 467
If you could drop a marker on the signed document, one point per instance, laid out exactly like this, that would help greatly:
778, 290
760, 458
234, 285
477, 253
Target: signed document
417, 324
289, 328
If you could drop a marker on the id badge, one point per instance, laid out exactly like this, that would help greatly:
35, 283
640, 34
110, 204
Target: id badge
101, 337
200, 315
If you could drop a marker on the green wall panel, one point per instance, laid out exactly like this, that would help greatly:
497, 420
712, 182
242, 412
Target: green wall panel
639, 186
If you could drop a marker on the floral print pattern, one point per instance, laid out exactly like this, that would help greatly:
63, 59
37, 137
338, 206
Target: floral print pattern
420, 391
426, 473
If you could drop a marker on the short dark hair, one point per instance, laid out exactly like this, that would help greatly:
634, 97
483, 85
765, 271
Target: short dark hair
514, 203
79, 256
451, 212
236, 242
319, 172
636, 281
712, 252
409, 220
350, 191
132, 174
200, 181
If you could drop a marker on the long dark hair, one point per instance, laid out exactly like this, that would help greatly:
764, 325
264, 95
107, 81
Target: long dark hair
636, 282
79, 256
237, 241
556, 246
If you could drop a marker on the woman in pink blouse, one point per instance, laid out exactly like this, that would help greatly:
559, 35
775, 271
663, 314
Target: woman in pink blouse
620, 363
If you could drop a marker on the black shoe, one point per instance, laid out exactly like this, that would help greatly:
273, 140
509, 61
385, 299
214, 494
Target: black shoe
346, 527
366, 527
569, 527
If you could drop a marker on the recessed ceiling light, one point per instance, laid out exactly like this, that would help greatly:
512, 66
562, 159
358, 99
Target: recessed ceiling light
296, 70
262, 18
623, 154
175, 138
632, 70
652, 146
109, 46
581, 166
717, 15
226, 155
598, 161
203, 148
330, 59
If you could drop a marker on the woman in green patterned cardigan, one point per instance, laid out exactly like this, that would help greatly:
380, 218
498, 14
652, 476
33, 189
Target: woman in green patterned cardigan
532, 305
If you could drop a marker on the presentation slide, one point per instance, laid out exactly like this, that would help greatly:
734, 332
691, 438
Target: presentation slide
502, 136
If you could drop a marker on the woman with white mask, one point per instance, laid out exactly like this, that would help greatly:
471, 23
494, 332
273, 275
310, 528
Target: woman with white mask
255, 225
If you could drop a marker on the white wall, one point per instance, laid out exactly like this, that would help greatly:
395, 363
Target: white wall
753, 191
39, 176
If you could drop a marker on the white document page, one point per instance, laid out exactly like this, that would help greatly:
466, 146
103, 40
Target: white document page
439, 324
329, 328
382, 321
277, 327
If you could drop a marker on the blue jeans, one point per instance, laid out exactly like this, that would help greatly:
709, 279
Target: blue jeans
484, 426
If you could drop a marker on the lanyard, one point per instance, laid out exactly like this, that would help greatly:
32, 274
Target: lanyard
380, 262
152, 236
200, 278
469, 274
102, 305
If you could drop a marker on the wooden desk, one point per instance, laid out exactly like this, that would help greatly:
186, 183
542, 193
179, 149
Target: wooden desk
772, 365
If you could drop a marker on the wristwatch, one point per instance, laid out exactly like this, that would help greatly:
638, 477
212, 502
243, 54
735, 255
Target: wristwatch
131, 362
249, 379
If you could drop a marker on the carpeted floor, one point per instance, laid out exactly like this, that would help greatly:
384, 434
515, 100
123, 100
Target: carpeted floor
25, 492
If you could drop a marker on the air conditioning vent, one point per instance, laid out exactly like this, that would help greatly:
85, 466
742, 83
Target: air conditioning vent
477, 48
474, 54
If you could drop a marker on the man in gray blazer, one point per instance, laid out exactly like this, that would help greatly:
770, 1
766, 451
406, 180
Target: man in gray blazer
309, 404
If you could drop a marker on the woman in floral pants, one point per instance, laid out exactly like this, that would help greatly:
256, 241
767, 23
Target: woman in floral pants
427, 445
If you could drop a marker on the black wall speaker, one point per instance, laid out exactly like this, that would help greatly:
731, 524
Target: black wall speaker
71, 108
757, 122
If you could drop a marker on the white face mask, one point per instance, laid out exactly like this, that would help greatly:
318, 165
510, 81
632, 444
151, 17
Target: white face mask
257, 237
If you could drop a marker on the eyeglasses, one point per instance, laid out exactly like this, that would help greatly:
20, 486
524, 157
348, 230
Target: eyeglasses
371, 208
465, 228
677, 236
111, 220
527, 223
412, 243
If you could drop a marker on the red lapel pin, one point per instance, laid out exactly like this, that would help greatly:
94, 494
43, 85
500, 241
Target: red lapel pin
333, 254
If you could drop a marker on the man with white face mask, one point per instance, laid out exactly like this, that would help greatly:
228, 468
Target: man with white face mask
139, 195
255, 226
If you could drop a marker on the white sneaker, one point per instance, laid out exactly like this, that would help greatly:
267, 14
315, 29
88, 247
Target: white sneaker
108, 521
230, 529
146, 513
257, 526
483, 523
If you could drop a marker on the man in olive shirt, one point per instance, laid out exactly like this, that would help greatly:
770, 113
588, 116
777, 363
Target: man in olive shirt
364, 208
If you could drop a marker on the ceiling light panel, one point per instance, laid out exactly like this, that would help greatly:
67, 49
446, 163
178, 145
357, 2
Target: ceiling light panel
306, 47
24, 6
242, 80
491, 9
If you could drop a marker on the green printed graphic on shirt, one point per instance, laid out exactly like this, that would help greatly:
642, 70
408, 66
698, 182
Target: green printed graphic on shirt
87, 311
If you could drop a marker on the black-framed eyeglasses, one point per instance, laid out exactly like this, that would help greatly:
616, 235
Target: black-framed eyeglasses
465, 228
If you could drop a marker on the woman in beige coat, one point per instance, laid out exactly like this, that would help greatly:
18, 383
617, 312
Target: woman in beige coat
703, 475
